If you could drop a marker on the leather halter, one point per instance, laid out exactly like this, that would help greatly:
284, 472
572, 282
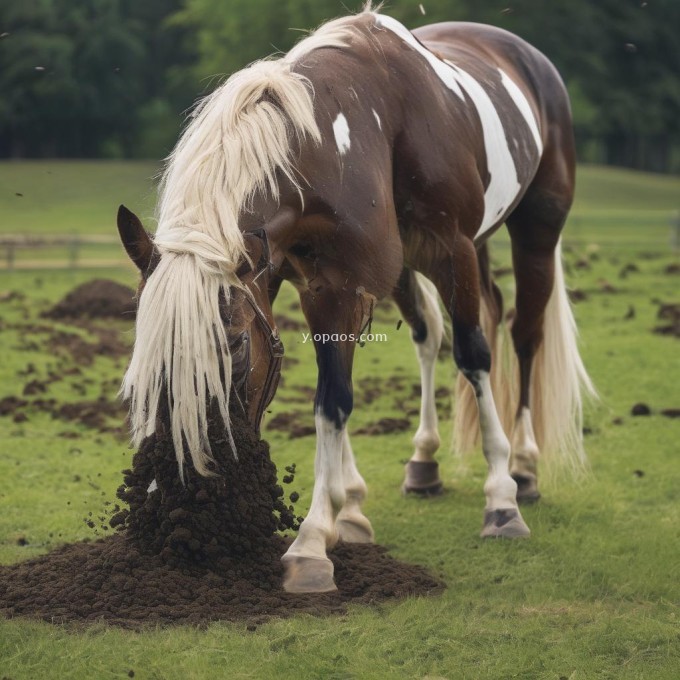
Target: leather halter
275, 356
273, 344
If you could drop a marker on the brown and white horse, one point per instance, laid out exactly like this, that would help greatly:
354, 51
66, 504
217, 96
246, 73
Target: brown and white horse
364, 155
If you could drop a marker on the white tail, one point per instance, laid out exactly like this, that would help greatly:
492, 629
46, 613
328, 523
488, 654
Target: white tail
559, 382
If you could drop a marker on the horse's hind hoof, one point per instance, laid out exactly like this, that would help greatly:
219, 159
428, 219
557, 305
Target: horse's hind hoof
504, 524
307, 574
527, 489
355, 530
422, 478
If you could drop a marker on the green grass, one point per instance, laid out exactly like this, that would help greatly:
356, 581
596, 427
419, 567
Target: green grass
592, 594
623, 207
72, 197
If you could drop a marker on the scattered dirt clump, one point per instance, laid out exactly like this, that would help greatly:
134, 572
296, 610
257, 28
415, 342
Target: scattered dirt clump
385, 426
577, 295
9, 405
640, 410
605, 287
197, 552
96, 299
102, 414
290, 423
108, 344
669, 312
93, 414
629, 268
11, 296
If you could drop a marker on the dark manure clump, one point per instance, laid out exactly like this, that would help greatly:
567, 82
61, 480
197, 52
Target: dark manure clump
203, 550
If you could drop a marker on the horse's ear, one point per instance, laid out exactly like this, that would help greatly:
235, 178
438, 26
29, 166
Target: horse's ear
136, 241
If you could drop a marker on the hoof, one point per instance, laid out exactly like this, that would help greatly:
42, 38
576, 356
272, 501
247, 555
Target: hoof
504, 524
357, 530
307, 574
422, 478
527, 489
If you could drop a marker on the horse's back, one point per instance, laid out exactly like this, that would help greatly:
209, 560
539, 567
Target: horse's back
495, 48
486, 50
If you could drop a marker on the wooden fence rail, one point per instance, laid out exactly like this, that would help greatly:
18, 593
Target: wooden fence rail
69, 249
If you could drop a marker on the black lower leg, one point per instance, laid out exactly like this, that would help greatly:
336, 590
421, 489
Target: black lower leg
334, 398
470, 351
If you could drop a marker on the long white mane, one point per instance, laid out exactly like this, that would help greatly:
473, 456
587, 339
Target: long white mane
238, 139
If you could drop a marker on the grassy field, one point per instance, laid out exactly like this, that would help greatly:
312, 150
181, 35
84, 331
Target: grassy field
72, 197
592, 594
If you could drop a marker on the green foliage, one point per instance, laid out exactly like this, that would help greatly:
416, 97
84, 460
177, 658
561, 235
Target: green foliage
111, 77
75, 74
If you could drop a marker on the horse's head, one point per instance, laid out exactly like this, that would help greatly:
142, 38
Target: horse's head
218, 338
255, 346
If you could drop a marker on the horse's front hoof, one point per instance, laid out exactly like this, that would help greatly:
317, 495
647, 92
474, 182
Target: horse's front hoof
422, 478
307, 574
355, 530
504, 524
527, 489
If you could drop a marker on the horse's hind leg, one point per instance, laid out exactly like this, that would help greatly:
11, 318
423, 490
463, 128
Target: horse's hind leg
534, 276
535, 228
458, 281
421, 311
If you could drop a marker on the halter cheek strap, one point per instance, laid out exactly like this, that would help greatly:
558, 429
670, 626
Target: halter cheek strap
275, 356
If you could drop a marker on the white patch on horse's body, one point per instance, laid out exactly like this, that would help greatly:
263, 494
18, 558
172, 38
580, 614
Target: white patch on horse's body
439, 67
504, 184
341, 132
377, 119
524, 108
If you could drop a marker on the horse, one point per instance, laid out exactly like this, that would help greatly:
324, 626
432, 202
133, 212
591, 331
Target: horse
367, 162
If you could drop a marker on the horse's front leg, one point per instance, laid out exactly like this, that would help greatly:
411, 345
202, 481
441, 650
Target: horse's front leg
333, 319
